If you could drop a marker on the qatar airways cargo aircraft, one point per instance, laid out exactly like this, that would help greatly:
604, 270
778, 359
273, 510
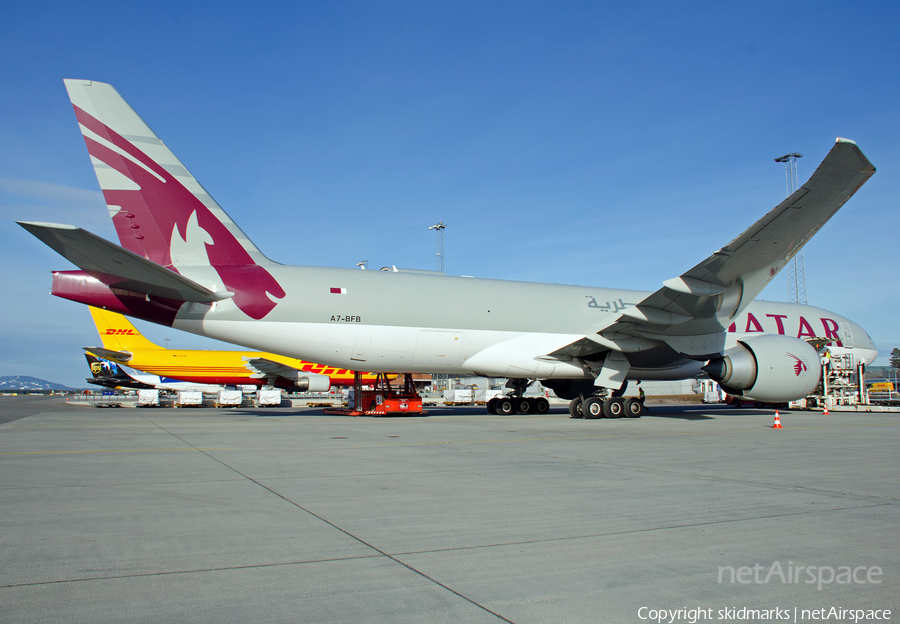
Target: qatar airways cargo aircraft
184, 263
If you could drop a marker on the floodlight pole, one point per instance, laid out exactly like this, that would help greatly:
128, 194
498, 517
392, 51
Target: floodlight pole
796, 270
439, 228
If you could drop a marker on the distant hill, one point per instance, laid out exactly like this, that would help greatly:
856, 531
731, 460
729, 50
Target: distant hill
23, 382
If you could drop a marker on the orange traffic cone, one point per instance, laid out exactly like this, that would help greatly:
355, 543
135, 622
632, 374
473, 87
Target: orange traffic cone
777, 424
825, 413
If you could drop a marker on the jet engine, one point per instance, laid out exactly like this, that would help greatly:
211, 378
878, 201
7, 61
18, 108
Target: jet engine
770, 368
311, 382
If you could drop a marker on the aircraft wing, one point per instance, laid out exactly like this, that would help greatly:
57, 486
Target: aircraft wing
262, 368
117, 267
690, 312
122, 357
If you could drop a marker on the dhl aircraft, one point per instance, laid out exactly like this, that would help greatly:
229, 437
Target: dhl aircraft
185, 264
110, 374
123, 343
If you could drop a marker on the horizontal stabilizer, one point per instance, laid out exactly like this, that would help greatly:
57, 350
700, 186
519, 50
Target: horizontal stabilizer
123, 357
115, 382
117, 267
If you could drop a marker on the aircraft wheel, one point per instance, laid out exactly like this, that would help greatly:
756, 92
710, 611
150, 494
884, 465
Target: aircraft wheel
492, 406
614, 408
593, 407
541, 406
523, 406
575, 408
505, 407
633, 408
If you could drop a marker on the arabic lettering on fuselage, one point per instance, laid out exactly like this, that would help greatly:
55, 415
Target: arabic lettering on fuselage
609, 306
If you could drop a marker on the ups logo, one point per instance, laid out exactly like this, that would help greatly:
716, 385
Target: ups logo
120, 332
96, 368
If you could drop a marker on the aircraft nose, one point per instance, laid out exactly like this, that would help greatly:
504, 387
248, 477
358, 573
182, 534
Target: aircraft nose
869, 355
865, 347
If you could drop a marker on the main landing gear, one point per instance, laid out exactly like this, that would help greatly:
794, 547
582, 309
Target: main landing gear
605, 407
515, 403
505, 406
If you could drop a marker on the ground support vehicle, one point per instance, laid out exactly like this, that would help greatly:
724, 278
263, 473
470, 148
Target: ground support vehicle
381, 399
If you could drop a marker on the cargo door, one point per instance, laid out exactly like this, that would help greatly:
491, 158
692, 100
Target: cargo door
848, 335
437, 347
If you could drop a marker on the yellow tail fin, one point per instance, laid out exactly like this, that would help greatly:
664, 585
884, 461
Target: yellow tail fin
117, 332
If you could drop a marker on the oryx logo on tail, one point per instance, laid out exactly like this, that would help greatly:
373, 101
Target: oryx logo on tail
163, 221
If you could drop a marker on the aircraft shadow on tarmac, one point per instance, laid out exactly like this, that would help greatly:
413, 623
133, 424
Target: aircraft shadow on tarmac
706, 412
683, 412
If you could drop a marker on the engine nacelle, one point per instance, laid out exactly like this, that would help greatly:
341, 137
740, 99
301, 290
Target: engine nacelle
771, 368
311, 382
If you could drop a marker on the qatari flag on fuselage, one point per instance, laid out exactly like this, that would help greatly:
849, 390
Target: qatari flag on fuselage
338, 291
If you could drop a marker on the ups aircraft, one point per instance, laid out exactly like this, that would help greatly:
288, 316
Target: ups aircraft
185, 264
123, 343
110, 374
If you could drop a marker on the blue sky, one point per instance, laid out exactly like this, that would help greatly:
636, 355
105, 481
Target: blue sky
608, 144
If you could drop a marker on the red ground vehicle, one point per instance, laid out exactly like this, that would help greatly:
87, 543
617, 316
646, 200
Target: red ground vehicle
382, 400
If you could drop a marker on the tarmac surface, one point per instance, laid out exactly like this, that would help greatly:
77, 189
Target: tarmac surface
288, 515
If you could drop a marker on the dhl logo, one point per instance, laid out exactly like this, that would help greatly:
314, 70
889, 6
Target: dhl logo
324, 370
330, 371
336, 373
120, 332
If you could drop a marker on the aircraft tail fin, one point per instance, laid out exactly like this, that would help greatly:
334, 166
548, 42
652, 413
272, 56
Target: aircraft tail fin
160, 211
110, 375
117, 333
149, 192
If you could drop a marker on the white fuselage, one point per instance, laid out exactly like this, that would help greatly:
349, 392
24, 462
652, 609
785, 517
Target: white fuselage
469, 326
